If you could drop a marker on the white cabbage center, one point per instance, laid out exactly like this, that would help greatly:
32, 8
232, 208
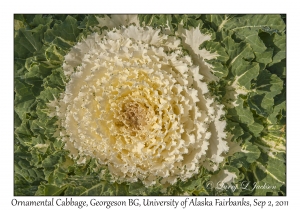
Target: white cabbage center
137, 104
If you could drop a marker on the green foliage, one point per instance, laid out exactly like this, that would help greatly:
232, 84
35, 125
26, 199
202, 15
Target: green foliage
256, 46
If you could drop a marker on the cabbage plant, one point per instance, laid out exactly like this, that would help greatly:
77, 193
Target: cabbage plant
149, 105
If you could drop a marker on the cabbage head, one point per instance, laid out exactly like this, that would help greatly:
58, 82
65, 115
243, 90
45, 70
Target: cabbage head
149, 105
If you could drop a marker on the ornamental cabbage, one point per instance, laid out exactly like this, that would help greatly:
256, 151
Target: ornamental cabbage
149, 104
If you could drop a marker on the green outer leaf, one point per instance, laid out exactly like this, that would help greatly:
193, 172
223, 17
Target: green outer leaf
50, 190
218, 64
255, 22
88, 21
66, 31
248, 155
26, 44
269, 170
